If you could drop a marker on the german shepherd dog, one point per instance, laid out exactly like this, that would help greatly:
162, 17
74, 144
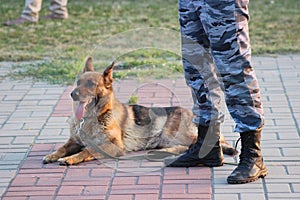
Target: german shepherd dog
117, 128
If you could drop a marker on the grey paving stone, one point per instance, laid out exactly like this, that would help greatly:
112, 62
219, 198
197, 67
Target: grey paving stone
9, 166
13, 133
2, 190
294, 170
62, 120
295, 188
13, 126
47, 102
226, 196
51, 141
277, 168
6, 140
56, 90
24, 140
22, 87
50, 132
277, 196
29, 103
251, 196
7, 108
14, 97
14, 156
40, 114
7, 173
239, 190
291, 151
4, 182
21, 114
41, 97
287, 135
56, 126
278, 188
37, 107
33, 125
37, 91
276, 179
271, 152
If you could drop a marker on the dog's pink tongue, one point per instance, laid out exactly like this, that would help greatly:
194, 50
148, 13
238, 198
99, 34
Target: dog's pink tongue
80, 110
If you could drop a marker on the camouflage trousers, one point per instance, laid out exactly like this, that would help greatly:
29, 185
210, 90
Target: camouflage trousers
216, 57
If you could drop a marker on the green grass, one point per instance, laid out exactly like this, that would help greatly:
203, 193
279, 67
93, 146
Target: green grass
133, 99
274, 26
119, 29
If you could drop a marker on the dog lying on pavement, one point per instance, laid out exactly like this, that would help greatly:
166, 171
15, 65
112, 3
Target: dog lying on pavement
116, 128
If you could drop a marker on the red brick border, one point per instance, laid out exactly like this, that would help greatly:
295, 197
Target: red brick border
93, 180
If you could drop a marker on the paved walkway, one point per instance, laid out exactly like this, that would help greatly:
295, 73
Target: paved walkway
33, 122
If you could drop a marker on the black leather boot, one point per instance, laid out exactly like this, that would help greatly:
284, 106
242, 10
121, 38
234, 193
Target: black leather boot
251, 165
206, 151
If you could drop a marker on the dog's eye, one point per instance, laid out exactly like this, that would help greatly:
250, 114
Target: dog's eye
90, 83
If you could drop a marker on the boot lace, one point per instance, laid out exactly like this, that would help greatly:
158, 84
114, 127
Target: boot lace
236, 143
193, 147
246, 159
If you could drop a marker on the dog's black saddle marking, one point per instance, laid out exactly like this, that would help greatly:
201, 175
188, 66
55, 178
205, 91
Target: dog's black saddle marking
142, 114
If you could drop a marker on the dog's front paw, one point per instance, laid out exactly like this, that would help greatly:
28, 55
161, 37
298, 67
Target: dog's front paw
66, 161
50, 158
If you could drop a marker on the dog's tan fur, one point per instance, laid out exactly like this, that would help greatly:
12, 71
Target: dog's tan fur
117, 128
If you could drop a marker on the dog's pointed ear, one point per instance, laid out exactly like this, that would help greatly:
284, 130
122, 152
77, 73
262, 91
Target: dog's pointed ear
108, 76
88, 65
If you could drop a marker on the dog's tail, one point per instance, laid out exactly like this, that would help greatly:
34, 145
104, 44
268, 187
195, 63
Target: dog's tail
227, 148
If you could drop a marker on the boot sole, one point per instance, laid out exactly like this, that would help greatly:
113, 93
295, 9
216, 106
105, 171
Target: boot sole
262, 174
195, 165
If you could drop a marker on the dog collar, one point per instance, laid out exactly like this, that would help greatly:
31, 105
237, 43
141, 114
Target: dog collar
80, 126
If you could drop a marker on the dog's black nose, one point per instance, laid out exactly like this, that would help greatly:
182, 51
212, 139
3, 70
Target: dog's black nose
75, 95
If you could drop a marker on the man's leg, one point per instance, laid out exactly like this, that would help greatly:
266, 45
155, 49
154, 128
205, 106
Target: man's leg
30, 13
31, 10
201, 78
226, 23
59, 9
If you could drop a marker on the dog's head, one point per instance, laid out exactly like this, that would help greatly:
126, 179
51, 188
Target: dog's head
91, 87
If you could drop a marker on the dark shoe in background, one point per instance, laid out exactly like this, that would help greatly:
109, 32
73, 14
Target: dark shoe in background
52, 17
18, 21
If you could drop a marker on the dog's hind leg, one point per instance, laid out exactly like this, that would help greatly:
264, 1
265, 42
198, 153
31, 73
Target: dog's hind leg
69, 148
178, 149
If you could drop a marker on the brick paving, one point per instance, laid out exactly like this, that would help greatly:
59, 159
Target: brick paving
33, 122
103, 180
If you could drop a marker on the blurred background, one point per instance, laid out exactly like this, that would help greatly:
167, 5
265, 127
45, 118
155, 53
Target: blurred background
54, 50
